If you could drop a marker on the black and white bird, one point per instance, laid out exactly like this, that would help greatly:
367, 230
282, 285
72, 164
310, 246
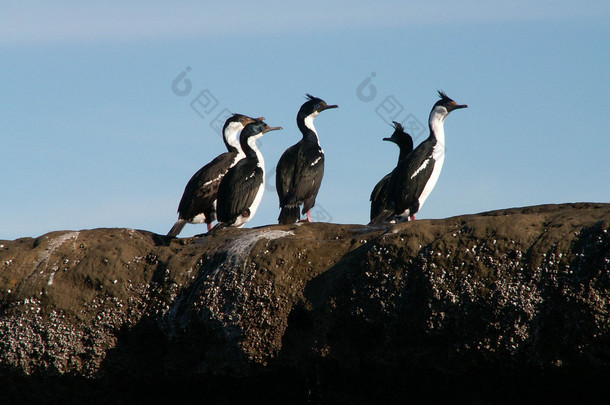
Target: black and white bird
198, 203
413, 179
379, 196
300, 169
241, 189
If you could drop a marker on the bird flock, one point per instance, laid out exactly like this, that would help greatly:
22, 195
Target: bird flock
229, 189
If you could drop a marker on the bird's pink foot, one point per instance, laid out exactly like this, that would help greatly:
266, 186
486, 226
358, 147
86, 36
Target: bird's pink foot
308, 219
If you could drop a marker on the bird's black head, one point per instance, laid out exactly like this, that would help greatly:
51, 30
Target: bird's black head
257, 127
447, 102
400, 137
239, 119
314, 105
231, 128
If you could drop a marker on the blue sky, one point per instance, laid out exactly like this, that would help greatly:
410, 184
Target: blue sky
96, 134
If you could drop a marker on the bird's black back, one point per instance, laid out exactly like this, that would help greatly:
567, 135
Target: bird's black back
201, 190
379, 195
299, 174
404, 188
238, 189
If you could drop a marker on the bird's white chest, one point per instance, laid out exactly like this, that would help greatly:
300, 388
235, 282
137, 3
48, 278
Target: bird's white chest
241, 220
438, 155
439, 158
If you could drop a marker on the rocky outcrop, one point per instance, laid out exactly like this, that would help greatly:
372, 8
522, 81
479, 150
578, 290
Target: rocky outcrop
499, 307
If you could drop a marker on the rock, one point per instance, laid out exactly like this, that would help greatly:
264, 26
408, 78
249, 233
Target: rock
498, 307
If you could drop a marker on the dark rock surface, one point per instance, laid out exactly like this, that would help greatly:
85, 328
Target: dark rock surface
508, 306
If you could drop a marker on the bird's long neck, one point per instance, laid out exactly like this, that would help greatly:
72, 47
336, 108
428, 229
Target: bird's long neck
307, 128
231, 137
436, 122
404, 151
251, 150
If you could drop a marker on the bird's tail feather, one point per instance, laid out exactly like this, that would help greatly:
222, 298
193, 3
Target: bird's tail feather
177, 228
219, 226
383, 216
289, 214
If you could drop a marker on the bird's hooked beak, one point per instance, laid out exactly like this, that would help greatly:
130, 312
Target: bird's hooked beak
248, 120
268, 129
458, 106
326, 107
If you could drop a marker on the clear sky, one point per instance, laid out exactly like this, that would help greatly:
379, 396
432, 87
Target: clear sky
99, 129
